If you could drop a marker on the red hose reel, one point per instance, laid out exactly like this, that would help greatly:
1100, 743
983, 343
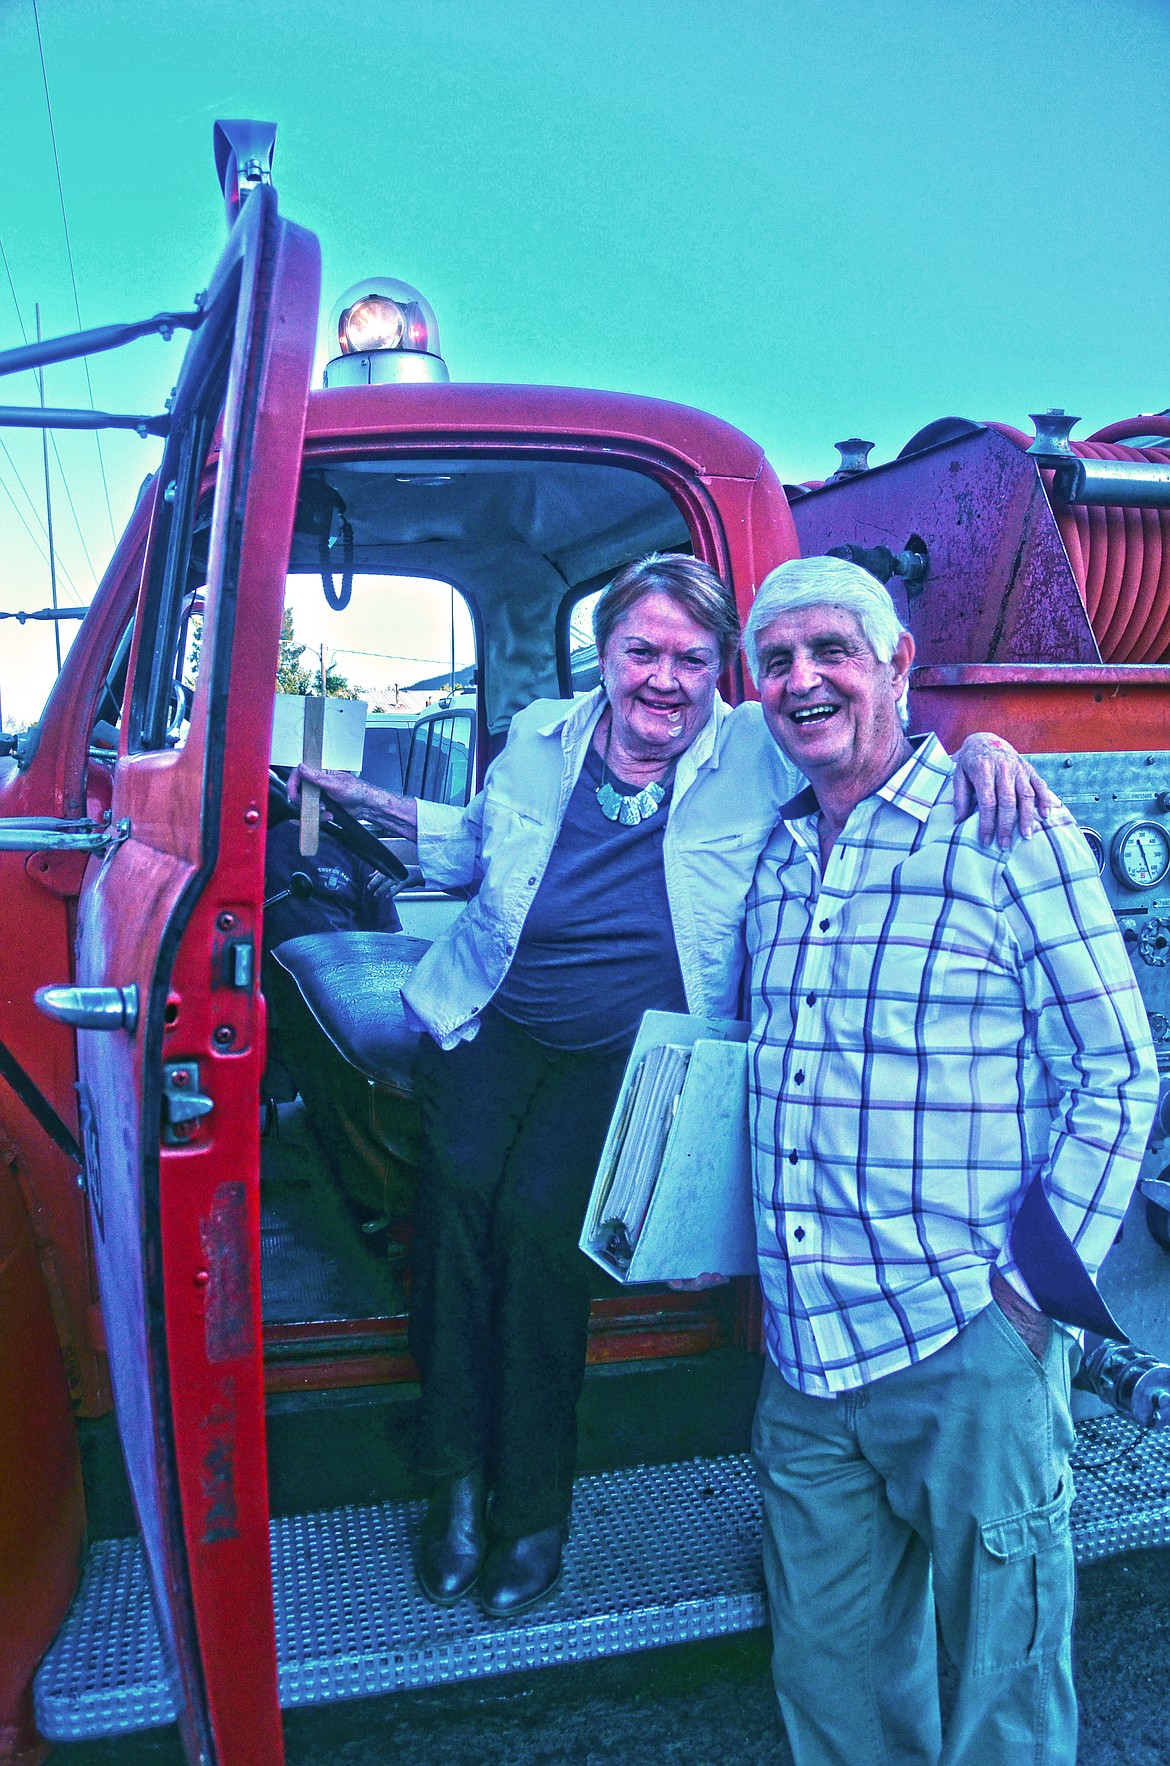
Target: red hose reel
1119, 557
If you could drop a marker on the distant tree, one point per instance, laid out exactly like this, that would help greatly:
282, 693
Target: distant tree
194, 650
336, 686
294, 676
291, 674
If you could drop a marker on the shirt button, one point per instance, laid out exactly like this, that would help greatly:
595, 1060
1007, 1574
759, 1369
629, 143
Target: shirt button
798, 1078
799, 1233
810, 999
823, 924
793, 1156
507, 950
532, 882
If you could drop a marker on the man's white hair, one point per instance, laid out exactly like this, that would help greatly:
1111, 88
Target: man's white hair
811, 582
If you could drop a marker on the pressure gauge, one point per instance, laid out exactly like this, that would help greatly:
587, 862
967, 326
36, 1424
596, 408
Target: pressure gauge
1140, 854
1096, 846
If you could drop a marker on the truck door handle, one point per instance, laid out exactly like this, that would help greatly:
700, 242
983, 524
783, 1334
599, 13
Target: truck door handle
91, 1008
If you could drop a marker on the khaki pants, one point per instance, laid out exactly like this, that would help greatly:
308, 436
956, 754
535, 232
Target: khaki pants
950, 1477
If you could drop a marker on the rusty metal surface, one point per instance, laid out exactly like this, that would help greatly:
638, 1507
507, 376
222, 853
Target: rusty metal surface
1000, 587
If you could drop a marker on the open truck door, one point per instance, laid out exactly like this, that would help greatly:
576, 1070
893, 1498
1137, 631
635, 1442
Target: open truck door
170, 1017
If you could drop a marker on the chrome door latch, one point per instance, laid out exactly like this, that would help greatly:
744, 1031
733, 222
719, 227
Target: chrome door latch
91, 1008
183, 1103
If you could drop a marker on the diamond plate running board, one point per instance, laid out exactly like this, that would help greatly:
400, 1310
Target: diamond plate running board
657, 1555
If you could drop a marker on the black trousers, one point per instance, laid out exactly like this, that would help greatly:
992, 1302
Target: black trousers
500, 1293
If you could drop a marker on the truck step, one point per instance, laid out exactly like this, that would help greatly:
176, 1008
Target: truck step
657, 1555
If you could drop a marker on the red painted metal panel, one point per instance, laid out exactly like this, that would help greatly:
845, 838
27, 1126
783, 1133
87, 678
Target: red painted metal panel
42, 905
658, 1339
435, 417
42, 1507
210, 1217
42, 953
760, 535
1045, 708
317, 1356
178, 1229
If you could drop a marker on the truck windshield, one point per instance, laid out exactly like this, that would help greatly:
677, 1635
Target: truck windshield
513, 551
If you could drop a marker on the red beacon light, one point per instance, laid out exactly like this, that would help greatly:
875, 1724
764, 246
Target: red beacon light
385, 331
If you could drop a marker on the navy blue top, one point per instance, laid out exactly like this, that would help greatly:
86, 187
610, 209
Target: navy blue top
597, 949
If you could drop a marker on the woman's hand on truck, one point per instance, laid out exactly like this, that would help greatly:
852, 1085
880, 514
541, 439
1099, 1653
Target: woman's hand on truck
1006, 789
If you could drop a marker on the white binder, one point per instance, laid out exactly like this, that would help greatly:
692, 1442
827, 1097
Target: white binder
681, 1180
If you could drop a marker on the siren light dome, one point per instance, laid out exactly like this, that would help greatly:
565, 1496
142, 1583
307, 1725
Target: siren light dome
373, 323
385, 330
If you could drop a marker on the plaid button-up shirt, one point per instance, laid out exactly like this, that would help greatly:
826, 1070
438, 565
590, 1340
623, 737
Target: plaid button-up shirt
933, 1022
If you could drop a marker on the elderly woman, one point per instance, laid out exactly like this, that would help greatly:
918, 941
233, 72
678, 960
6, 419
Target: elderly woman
613, 843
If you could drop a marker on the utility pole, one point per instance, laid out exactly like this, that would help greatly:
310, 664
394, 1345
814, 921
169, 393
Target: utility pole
49, 505
324, 676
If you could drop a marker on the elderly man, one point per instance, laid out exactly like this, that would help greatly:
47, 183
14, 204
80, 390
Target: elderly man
936, 1025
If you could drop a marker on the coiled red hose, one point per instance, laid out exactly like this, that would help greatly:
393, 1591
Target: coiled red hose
1119, 557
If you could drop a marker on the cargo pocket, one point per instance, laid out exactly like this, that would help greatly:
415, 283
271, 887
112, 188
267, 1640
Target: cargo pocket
1026, 1578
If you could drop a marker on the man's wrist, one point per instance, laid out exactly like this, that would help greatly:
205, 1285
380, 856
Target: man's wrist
398, 815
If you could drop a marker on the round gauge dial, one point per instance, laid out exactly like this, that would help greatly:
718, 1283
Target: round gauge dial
1140, 854
1096, 846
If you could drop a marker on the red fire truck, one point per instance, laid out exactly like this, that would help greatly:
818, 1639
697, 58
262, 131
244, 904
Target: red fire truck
154, 1255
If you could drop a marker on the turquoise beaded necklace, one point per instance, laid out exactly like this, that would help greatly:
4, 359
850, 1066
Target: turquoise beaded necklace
639, 806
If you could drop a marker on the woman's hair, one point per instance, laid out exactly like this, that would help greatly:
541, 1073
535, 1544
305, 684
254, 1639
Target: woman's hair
689, 582
811, 582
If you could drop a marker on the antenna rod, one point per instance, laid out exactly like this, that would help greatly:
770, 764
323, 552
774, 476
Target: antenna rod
49, 505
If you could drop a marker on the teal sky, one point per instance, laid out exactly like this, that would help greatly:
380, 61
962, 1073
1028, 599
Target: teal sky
814, 220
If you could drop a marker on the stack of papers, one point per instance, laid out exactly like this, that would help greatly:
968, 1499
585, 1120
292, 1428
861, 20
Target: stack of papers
623, 1198
672, 1196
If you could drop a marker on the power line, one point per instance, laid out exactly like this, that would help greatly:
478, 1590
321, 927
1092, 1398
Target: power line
387, 655
72, 508
69, 253
52, 439
37, 514
32, 536
12, 286
48, 504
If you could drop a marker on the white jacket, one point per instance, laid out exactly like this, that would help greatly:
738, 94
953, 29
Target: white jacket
728, 788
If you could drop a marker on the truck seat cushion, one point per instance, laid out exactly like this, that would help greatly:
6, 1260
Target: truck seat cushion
350, 983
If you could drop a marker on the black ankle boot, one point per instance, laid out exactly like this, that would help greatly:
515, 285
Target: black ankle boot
452, 1541
519, 1572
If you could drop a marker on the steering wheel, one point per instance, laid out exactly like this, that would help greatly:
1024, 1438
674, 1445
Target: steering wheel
347, 831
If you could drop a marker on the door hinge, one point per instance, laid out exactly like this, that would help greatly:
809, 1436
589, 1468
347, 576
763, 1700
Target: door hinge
183, 1102
55, 834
